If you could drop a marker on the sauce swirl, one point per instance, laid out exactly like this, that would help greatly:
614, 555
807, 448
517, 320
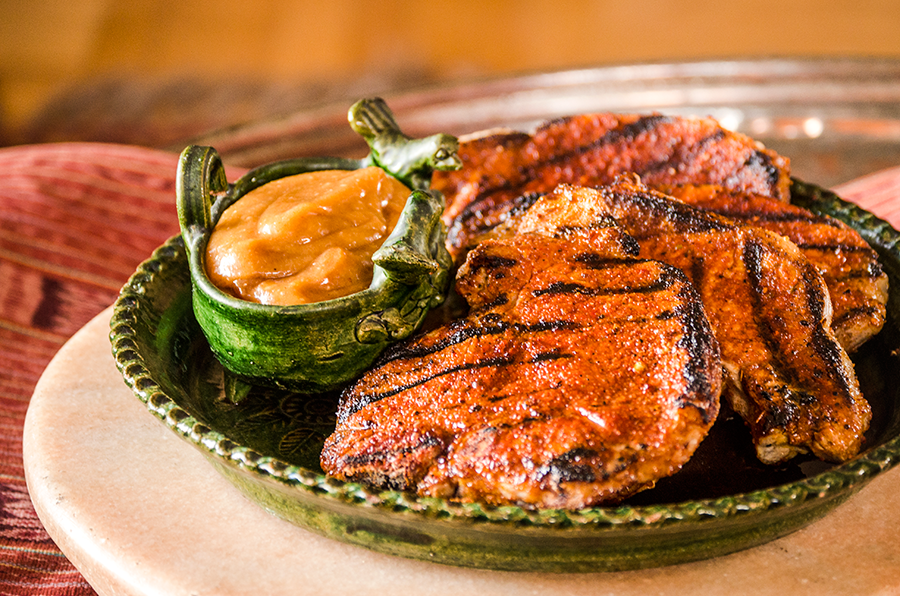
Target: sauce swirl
305, 238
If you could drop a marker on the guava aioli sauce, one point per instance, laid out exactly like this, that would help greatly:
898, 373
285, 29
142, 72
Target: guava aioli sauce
305, 238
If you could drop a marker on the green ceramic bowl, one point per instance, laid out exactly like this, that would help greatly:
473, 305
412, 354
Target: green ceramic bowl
321, 345
268, 445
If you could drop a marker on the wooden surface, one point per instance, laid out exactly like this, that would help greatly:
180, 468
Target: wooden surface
88, 70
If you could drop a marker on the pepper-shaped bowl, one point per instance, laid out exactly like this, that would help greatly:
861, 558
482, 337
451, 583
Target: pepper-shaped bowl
321, 345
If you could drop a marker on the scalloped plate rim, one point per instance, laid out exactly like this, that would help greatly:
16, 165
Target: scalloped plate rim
825, 490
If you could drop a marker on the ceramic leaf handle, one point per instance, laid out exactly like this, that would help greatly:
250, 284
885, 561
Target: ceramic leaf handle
201, 176
407, 254
415, 256
409, 160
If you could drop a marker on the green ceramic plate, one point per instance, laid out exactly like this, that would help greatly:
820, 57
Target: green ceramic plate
268, 446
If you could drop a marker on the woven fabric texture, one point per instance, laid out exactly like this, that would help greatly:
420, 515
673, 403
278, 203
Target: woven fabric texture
75, 221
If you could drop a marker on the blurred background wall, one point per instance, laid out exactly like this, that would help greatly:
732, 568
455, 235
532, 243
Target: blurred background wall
154, 71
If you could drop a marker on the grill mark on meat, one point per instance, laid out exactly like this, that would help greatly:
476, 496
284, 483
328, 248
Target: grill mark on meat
679, 215
485, 213
497, 302
407, 352
627, 243
836, 246
859, 311
600, 262
524, 202
498, 398
777, 217
459, 337
549, 356
658, 285
752, 258
827, 349
599, 224
693, 321
550, 124
631, 246
715, 137
460, 334
520, 200
628, 132
566, 468
570, 288
676, 160
365, 399
472, 218
823, 346
545, 326
786, 409
386, 454
569, 466
698, 272
760, 160
698, 334
494, 262
872, 271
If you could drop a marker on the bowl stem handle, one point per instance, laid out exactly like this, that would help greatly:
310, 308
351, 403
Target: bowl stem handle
200, 177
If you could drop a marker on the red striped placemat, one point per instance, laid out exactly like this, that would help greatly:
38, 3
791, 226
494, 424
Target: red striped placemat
75, 221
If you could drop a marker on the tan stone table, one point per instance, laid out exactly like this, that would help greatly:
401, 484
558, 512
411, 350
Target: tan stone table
141, 512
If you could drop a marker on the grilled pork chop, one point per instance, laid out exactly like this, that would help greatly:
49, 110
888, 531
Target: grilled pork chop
786, 374
580, 376
593, 149
857, 284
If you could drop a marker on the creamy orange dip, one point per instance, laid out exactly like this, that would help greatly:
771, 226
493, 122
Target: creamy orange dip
305, 238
